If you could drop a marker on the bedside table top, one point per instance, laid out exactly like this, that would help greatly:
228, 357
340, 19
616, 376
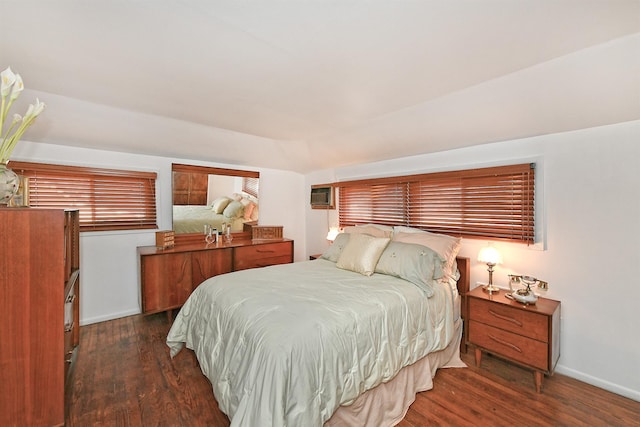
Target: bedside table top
543, 305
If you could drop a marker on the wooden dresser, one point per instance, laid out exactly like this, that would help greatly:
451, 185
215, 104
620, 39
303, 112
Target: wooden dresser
40, 279
525, 334
168, 276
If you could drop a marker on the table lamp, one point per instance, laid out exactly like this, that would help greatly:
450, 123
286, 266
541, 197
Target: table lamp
491, 257
333, 232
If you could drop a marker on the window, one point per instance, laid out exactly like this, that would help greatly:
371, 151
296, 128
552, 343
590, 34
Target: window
250, 185
495, 203
108, 199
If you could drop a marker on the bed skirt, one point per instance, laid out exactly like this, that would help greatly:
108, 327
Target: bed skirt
387, 404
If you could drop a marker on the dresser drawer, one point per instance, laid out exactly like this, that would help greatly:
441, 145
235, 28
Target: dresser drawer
513, 346
263, 255
522, 322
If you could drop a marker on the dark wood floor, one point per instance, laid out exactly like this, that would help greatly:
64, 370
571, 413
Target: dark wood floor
123, 376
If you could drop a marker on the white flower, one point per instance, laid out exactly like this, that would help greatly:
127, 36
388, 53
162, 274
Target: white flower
11, 88
39, 108
8, 78
18, 87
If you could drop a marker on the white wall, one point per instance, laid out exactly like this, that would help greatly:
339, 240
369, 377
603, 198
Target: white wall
590, 182
109, 266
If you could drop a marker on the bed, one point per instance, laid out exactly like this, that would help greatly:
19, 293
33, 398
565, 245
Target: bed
347, 339
233, 211
192, 219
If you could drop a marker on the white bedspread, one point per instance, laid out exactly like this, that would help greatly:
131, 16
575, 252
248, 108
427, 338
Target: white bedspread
286, 345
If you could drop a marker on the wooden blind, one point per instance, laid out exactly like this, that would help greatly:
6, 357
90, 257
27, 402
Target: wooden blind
490, 203
250, 185
108, 199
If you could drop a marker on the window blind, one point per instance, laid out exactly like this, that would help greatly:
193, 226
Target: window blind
250, 186
108, 199
490, 203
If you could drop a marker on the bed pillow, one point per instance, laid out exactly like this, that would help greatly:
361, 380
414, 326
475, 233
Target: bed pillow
220, 204
387, 229
333, 252
248, 210
417, 264
254, 214
446, 246
370, 229
361, 253
233, 210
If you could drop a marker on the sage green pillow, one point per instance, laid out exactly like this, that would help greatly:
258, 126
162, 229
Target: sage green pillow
333, 252
234, 209
415, 263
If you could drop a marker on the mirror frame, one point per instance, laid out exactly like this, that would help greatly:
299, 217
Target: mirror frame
186, 238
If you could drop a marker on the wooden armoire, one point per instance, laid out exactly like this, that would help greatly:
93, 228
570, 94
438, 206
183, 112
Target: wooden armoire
39, 300
190, 188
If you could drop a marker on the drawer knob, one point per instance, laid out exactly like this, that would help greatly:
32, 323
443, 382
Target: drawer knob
505, 343
507, 318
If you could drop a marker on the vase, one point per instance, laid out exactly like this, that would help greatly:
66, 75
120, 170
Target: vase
9, 183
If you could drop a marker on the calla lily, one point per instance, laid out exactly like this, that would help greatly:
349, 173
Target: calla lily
18, 87
8, 78
12, 87
39, 108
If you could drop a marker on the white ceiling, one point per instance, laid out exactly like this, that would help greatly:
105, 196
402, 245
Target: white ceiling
310, 84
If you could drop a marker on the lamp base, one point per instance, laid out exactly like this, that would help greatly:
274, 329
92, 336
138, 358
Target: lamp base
491, 288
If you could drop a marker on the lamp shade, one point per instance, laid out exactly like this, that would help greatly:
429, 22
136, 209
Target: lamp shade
489, 255
333, 232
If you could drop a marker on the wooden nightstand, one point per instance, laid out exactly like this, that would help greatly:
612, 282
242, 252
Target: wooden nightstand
525, 334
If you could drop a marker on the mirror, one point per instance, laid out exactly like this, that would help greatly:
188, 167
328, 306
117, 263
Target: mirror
214, 197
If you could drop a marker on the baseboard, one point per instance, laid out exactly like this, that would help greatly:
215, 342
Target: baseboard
605, 385
110, 316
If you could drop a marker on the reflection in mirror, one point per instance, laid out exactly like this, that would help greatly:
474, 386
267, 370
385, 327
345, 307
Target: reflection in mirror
214, 197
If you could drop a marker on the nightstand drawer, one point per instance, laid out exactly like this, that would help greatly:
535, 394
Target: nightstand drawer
519, 321
516, 347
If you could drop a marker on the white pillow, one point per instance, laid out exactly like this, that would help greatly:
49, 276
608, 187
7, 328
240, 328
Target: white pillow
361, 253
446, 246
219, 204
370, 229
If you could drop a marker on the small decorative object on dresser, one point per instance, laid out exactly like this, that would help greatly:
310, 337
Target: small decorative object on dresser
528, 335
264, 232
9, 184
165, 239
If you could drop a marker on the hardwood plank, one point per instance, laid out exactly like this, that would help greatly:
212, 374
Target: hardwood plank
124, 377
